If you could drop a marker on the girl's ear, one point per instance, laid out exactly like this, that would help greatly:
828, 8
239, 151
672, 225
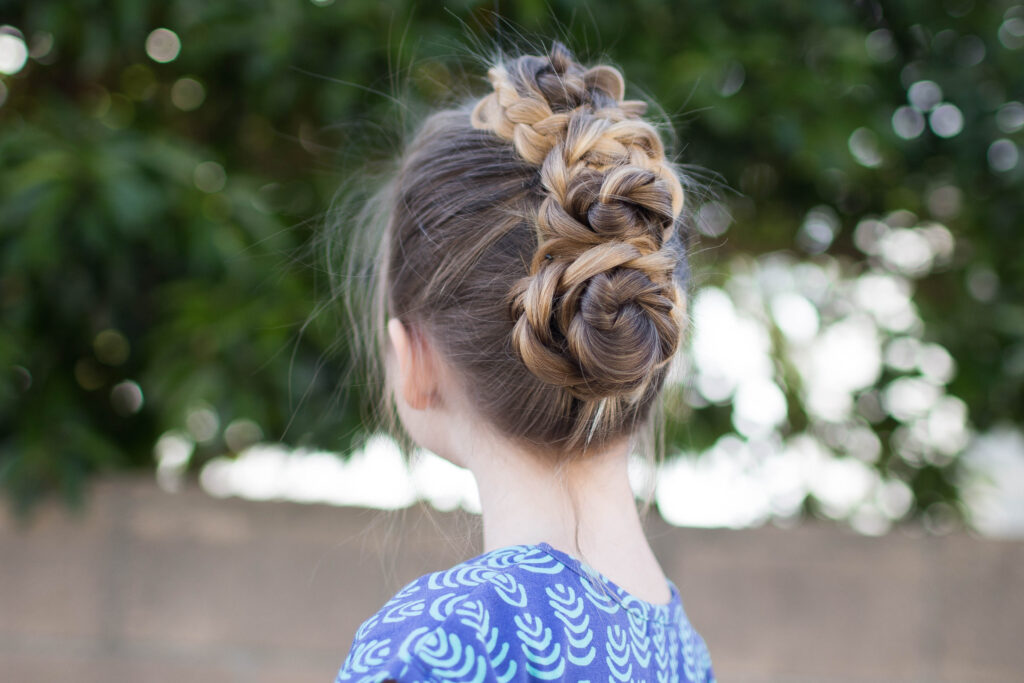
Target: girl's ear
415, 376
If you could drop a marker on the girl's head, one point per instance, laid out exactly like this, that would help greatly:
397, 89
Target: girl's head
532, 244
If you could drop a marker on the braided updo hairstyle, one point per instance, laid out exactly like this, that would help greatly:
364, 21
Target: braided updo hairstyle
533, 236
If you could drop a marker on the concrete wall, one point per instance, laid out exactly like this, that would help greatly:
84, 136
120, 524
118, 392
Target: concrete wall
151, 586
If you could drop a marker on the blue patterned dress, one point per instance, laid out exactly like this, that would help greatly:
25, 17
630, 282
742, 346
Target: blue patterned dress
525, 613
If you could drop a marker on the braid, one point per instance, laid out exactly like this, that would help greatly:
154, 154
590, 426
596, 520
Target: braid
599, 312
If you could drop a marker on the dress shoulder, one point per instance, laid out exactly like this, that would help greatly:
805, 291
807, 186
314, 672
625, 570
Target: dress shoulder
445, 621
524, 613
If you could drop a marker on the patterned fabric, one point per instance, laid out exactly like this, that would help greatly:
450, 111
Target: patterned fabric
525, 613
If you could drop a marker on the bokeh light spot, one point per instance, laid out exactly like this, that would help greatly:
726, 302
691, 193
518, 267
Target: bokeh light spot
945, 201
138, 82
887, 298
187, 94
1011, 33
969, 51
172, 452
727, 347
844, 359
867, 235
375, 476
731, 79
936, 363
880, 45
840, 484
242, 433
1010, 117
759, 406
908, 397
907, 122
902, 353
947, 426
940, 241
13, 51
946, 120
994, 478
894, 498
202, 423
907, 251
111, 347
126, 398
819, 229
89, 375
863, 144
1003, 155
209, 177
163, 45
982, 283
924, 95
796, 316
713, 219
41, 46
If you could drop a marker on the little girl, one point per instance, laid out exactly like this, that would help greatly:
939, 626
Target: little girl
531, 277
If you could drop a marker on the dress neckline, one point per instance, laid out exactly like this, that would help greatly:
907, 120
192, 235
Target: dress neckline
662, 612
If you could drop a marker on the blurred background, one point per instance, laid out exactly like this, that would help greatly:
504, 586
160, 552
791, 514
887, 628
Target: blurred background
852, 396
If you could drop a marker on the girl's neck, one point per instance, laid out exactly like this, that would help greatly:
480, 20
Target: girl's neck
588, 510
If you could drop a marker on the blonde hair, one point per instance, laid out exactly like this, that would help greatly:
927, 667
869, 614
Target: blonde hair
534, 236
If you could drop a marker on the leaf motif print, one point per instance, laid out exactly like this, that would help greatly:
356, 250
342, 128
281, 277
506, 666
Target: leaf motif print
661, 654
637, 608
449, 658
639, 641
691, 668
705, 665
541, 563
412, 639
367, 626
544, 658
504, 558
617, 657
459, 576
525, 613
369, 654
472, 613
569, 610
408, 590
673, 646
405, 610
600, 600
509, 590
443, 606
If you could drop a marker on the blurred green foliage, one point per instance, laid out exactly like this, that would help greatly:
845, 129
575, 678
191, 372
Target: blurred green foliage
157, 219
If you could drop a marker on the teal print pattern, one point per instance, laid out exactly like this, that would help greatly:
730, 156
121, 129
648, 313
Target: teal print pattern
473, 614
569, 609
544, 659
525, 613
450, 659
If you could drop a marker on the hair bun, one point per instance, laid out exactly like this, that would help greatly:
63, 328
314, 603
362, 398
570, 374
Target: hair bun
599, 311
597, 325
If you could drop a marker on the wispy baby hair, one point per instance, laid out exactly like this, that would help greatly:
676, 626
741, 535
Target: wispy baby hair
532, 235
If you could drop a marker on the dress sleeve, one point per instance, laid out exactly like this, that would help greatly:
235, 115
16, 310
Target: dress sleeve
379, 665
448, 651
705, 663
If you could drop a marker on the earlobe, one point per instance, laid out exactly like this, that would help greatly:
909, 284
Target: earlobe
414, 376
